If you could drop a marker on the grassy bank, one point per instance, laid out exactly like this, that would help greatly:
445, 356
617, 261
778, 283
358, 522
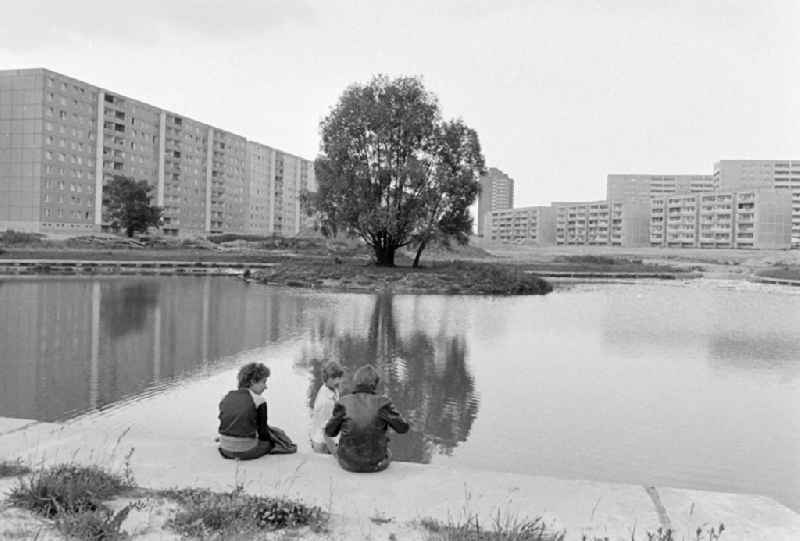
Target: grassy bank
454, 278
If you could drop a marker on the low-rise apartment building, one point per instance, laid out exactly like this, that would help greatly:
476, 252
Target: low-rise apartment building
754, 219
603, 223
763, 174
62, 139
526, 224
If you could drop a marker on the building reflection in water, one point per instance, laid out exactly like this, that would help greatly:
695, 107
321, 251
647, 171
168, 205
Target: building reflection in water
425, 375
71, 345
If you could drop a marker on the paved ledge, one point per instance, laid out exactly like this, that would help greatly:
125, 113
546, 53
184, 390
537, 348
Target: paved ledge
404, 493
778, 281
625, 275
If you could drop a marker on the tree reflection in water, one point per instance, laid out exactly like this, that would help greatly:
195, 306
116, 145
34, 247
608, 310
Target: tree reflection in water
425, 376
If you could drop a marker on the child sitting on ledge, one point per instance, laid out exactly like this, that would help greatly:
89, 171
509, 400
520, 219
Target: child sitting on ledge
243, 430
327, 396
363, 418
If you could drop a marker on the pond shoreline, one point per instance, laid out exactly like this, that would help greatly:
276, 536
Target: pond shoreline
368, 503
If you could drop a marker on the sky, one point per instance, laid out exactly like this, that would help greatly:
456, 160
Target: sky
561, 93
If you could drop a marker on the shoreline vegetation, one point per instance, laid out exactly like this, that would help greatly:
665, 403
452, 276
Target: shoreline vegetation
91, 502
345, 265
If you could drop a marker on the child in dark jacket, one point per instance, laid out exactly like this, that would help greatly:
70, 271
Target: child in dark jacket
362, 419
243, 429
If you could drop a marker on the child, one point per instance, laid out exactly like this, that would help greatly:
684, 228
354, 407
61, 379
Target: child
326, 397
243, 429
363, 418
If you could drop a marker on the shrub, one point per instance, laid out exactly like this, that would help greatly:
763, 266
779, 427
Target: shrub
11, 237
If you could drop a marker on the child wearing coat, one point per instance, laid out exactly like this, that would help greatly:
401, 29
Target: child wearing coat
361, 420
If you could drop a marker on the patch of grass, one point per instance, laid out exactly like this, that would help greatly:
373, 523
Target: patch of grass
13, 469
500, 529
224, 515
67, 488
99, 524
782, 272
73, 497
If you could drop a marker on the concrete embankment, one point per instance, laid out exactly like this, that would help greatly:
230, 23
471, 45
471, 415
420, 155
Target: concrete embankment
392, 502
89, 267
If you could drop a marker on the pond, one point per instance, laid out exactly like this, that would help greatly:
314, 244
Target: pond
675, 384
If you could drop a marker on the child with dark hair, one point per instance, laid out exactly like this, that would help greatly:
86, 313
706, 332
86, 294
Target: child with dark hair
243, 430
362, 419
326, 398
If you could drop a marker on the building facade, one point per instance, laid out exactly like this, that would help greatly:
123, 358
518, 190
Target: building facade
603, 223
525, 224
759, 174
645, 187
497, 193
62, 139
746, 219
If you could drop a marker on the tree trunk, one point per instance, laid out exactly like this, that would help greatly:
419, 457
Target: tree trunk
419, 253
384, 256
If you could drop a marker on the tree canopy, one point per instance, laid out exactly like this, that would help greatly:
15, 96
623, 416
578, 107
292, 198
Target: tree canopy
392, 171
128, 207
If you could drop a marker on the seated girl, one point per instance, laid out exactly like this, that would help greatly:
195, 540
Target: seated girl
243, 430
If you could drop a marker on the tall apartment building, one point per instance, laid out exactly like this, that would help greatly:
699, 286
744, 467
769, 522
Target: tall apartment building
524, 224
644, 187
756, 219
62, 139
770, 174
497, 193
603, 223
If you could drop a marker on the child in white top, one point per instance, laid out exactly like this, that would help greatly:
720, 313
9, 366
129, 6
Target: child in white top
327, 396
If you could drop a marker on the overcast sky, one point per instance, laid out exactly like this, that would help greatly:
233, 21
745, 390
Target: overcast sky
561, 92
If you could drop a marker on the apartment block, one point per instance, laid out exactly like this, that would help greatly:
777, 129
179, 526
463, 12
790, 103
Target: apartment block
755, 219
620, 187
497, 193
603, 223
763, 174
62, 139
673, 221
525, 224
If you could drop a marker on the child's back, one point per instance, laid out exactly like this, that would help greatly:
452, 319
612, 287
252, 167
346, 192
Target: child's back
362, 419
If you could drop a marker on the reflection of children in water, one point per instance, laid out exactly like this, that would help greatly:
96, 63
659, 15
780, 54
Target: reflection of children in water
363, 418
322, 409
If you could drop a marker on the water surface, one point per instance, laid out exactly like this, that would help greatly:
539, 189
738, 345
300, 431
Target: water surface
689, 385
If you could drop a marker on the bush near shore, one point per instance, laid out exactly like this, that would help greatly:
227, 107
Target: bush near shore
454, 278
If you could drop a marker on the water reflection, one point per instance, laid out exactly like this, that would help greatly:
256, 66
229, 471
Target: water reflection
426, 376
72, 345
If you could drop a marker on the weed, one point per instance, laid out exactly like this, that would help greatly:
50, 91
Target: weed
502, 529
207, 513
97, 524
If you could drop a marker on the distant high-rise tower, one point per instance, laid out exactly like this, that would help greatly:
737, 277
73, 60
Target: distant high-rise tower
497, 193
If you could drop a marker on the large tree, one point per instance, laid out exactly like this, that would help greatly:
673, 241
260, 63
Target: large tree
391, 171
128, 207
